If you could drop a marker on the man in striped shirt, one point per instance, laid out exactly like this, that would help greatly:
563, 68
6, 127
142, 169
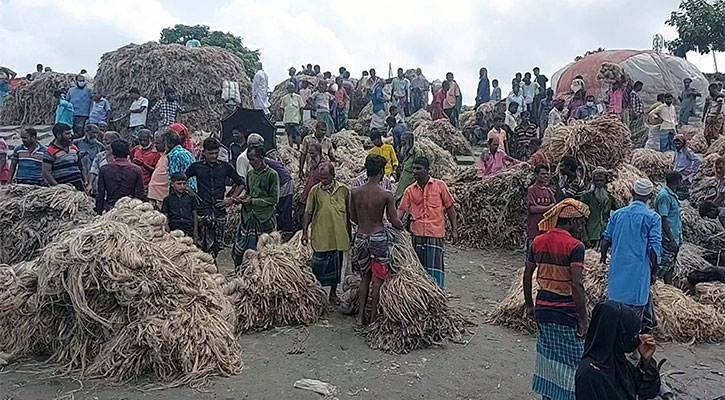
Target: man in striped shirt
26, 162
62, 161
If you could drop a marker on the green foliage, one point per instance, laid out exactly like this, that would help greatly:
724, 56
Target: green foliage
700, 26
182, 33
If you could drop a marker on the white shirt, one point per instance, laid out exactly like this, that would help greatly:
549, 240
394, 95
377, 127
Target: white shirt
555, 117
138, 119
516, 99
529, 91
668, 114
260, 88
243, 165
510, 120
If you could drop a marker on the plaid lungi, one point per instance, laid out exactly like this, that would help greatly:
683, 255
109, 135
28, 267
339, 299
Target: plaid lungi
327, 267
247, 235
638, 130
668, 259
211, 233
430, 253
370, 247
558, 352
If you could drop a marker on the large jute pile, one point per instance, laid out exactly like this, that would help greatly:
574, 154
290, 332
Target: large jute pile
717, 146
602, 141
197, 75
33, 103
413, 312
695, 138
621, 187
445, 135
110, 304
361, 125
703, 188
689, 259
492, 213
704, 232
272, 289
33, 216
681, 318
655, 164
482, 117
711, 293
349, 154
442, 163
418, 118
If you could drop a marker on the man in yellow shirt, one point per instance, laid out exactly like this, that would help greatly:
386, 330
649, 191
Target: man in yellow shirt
385, 150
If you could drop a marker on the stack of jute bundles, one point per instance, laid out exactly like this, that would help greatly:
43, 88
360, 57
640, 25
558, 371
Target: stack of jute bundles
33, 103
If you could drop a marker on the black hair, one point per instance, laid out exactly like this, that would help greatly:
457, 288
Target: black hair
372, 70
706, 207
390, 120
498, 118
120, 148
83, 71
57, 93
563, 221
423, 162
668, 95
134, 90
178, 176
342, 70
374, 164
171, 139
211, 144
528, 74
570, 162
638, 83
708, 275
494, 81
661, 97
365, 73
540, 167
79, 76
400, 69
257, 151
375, 135
31, 131
518, 73
673, 177
536, 69
39, 66
60, 128
146, 132
513, 103
169, 90
316, 66
712, 86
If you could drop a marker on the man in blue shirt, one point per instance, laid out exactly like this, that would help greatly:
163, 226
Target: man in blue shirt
635, 236
483, 94
26, 162
100, 110
81, 98
667, 205
64, 110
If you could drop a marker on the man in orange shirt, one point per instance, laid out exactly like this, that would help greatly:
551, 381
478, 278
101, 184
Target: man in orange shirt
427, 199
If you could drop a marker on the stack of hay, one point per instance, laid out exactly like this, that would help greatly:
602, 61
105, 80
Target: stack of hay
33, 103
442, 163
273, 289
655, 164
445, 135
413, 312
704, 232
602, 141
492, 213
33, 216
612, 73
418, 118
104, 302
153, 67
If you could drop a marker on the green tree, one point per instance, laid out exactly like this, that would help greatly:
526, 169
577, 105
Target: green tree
700, 27
182, 33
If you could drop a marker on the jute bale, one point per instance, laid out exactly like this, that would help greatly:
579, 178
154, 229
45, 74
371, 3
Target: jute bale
695, 138
33, 103
445, 135
621, 187
655, 164
705, 232
153, 67
418, 118
717, 147
442, 163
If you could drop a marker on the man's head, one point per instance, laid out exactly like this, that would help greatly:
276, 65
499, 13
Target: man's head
638, 86
542, 174
515, 88
322, 86
483, 72
558, 103
39, 67
494, 83
390, 122
642, 190
568, 165
375, 166
120, 149
80, 81
255, 140
525, 115
338, 81
91, 132
673, 180
549, 94
326, 173
346, 74
498, 122
238, 136
170, 94
376, 138
590, 100
316, 68
661, 97
103, 126
449, 76
211, 148
159, 142
255, 155
342, 70
47, 69
536, 71
407, 140
680, 142
713, 90
29, 136
446, 85
258, 65
304, 84
59, 94
719, 167
372, 72
134, 93
327, 75
534, 145
514, 106
308, 67
493, 145
365, 73
687, 82
172, 140
668, 99
421, 168
178, 182
527, 78
320, 129
393, 110
84, 71
708, 209
97, 96
569, 215
600, 178
400, 72
62, 134
292, 71
144, 138
108, 138
418, 71
290, 87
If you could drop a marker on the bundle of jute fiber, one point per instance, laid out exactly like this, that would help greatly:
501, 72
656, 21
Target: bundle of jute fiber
362, 124
683, 319
123, 309
419, 117
302, 252
705, 232
482, 117
231, 223
280, 90
413, 312
695, 137
349, 298
602, 141
703, 188
492, 212
442, 163
272, 289
445, 135
349, 139
32, 216
717, 147
711, 293
153, 67
33, 103
625, 175
655, 164
690, 258
611, 72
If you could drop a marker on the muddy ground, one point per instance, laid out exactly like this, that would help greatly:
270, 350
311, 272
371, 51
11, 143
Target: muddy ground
495, 363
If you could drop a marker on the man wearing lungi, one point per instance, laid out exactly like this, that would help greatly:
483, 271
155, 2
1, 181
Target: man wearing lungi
557, 256
428, 199
327, 212
372, 250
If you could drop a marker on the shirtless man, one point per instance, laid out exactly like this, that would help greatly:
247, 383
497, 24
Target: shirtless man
372, 251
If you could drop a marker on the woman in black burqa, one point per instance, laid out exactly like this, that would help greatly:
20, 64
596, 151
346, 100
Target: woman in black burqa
605, 373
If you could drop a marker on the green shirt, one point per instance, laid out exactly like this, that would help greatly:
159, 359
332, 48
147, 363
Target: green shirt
328, 230
406, 174
599, 213
263, 189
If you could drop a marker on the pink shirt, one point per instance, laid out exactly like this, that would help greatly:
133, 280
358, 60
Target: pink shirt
427, 206
159, 184
493, 163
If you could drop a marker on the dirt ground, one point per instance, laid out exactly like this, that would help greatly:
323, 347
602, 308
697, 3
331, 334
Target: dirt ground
495, 363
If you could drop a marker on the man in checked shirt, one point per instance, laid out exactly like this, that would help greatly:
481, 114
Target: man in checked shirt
168, 109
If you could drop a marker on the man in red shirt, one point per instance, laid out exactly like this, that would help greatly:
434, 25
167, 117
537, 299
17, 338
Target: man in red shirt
118, 179
145, 156
540, 198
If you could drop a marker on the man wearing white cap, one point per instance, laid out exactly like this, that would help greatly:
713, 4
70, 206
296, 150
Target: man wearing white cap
242, 162
635, 236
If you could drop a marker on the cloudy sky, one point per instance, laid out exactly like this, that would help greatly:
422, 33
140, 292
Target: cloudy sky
454, 35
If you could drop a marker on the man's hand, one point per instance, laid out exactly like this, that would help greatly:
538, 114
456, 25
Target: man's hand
246, 200
225, 203
647, 346
305, 239
530, 312
137, 161
454, 237
583, 328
